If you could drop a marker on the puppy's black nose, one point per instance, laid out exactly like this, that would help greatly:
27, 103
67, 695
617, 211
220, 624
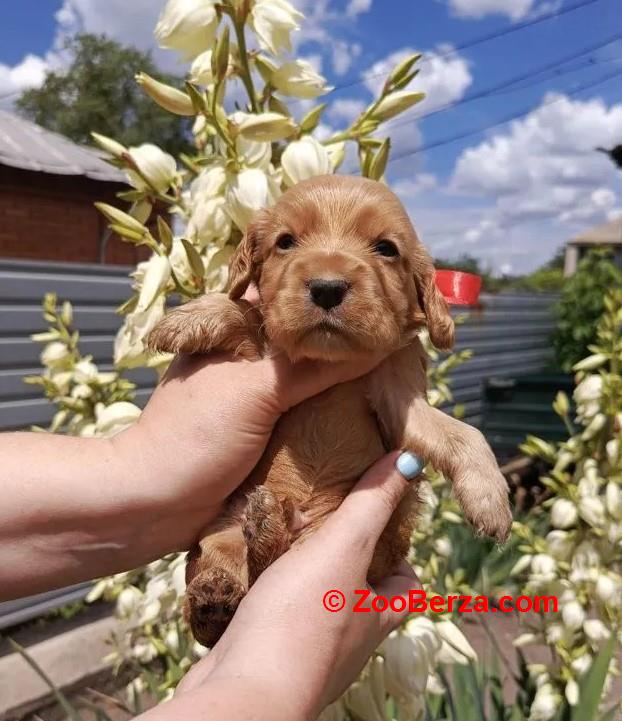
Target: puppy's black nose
327, 293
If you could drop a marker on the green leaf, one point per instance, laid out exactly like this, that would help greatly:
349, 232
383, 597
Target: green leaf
379, 161
67, 707
592, 684
194, 259
311, 120
165, 234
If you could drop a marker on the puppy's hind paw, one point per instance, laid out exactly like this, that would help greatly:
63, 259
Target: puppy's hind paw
266, 527
212, 598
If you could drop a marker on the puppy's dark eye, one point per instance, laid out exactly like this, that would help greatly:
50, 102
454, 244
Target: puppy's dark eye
386, 248
286, 241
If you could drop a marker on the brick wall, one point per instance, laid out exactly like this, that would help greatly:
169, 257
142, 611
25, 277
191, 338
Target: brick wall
51, 217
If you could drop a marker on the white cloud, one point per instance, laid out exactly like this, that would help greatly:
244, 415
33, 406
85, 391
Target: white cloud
407, 188
541, 181
545, 165
345, 109
343, 55
27, 74
357, 7
514, 9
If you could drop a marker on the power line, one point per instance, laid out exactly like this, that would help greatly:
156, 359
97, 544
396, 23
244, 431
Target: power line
494, 89
479, 40
514, 116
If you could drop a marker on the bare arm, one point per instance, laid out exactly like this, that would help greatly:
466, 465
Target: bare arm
73, 509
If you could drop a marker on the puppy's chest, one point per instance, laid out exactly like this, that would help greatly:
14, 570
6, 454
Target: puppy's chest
324, 443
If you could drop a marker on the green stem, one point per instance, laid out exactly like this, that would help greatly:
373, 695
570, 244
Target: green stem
246, 76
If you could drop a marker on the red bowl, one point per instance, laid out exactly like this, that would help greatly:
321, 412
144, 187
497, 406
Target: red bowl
459, 288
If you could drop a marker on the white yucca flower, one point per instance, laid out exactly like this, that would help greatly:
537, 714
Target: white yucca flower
156, 169
299, 79
273, 21
304, 159
188, 26
248, 192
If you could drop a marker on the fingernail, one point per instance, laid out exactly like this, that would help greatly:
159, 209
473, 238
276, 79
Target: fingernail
409, 465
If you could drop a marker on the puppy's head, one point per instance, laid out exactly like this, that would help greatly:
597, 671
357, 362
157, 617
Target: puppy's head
340, 271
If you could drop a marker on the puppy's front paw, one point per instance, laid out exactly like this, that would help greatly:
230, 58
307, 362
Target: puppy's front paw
482, 491
486, 505
212, 598
211, 323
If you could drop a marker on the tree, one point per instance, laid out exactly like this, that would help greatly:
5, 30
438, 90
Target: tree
98, 92
580, 306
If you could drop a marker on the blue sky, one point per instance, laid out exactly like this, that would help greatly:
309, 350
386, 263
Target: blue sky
510, 194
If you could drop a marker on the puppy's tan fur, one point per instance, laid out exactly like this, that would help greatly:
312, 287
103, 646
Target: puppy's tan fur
321, 447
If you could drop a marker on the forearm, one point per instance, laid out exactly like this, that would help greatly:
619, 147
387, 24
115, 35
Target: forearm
78, 508
234, 699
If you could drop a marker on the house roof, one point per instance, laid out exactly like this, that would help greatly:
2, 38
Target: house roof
606, 234
28, 146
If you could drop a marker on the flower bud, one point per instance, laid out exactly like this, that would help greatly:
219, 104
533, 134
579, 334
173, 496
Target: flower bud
443, 546
606, 587
110, 146
590, 363
560, 545
592, 510
304, 158
595, 426
298, 79
613, 499
166, 96
127, 601
572, 692
545, 704
188, 26
155, 169
396, 103
156, 276
521, 565
561, 406
116, 417
573, 615
563, 513
267, 127
596, 631
55, 355
85, 371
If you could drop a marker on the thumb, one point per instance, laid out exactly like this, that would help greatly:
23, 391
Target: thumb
360, 520
292, 383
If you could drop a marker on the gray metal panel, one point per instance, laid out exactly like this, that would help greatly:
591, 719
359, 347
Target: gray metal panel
95, 292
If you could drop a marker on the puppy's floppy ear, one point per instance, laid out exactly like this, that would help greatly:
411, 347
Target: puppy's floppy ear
244, 266
439, 322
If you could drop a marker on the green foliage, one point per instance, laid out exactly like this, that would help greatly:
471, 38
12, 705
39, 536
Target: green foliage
97, 92
581, 305
474, 692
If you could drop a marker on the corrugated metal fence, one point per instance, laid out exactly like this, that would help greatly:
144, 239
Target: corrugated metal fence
508, 334
95, 292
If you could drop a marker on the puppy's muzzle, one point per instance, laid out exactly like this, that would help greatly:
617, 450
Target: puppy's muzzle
327, 294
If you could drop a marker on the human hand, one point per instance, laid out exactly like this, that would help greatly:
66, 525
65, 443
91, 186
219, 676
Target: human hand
208, 423
284, 655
